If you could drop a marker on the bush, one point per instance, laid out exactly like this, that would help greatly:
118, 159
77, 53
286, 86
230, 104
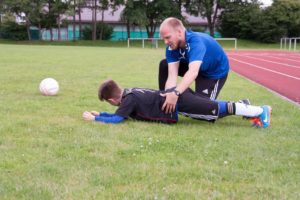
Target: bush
107, 32
13, 31
198, 29
249, 21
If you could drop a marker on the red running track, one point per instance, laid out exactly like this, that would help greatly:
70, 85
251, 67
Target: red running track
276, 70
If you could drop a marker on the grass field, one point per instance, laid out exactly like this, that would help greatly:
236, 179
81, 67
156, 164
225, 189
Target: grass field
48, 152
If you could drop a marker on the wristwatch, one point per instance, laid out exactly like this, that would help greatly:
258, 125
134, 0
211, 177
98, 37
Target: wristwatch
176, 92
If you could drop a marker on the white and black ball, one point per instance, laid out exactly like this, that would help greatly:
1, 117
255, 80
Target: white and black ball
49, 87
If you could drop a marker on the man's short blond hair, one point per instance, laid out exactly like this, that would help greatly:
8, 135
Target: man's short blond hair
173, 23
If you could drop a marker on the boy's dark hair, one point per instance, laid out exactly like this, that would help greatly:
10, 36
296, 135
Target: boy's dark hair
109, 89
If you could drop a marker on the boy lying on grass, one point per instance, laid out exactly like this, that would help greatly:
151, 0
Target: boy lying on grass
146, 105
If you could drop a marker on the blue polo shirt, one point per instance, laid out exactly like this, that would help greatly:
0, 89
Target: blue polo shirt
201, 47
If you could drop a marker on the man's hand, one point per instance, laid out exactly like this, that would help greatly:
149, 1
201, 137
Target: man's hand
87, 116
170, 102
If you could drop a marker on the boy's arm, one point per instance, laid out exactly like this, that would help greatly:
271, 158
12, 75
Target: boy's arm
109, 118
105, 114
106, 118
125, 109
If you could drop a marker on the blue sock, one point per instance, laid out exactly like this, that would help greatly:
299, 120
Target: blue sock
223, 108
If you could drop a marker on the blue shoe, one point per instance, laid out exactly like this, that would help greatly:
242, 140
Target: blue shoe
264, 119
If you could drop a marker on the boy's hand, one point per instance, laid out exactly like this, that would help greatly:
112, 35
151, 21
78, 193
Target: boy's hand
88, 116
95, 113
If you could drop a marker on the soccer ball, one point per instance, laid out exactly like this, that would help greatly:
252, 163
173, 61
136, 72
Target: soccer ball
49, 87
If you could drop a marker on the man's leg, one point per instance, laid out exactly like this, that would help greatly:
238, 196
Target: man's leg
163, 72
209, 87
259, 115
197, 106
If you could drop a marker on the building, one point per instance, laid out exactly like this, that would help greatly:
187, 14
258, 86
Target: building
113, 19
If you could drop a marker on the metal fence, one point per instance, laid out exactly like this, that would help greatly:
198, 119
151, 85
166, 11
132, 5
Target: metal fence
289, 43
154, 41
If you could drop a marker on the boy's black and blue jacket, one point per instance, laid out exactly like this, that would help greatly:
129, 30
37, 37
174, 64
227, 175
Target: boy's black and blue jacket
140, 104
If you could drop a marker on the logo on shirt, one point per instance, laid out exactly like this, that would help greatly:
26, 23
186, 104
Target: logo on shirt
187, 47
182, 53
143, 90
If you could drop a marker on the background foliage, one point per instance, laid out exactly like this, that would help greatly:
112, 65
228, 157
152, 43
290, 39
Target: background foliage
13, 31
233, 18
249, 21
104, 29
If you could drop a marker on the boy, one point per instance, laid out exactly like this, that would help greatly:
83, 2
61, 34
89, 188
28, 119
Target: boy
146, 104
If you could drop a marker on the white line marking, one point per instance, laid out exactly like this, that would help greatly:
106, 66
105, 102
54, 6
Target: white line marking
292, 56
296, 56
276, 72
271, 90
298, 67
281, 58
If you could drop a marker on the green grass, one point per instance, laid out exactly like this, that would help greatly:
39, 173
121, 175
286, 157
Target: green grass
248, 44
48, 152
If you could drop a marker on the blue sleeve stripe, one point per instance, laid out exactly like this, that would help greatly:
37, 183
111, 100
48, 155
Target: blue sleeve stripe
105, 114
113, 119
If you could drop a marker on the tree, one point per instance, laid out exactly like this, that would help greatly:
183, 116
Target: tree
286, 14
36, 16
13, 31
75, 8
157, 11
240, 19
101, 5
133, 14
105, 5
1, 10
79, 4
103, 29
248, 20
21, 8
37, 12
94, 19
60, 8
149, 13
210, 9
51, 15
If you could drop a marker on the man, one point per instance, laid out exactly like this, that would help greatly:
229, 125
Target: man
145, 104
195, 56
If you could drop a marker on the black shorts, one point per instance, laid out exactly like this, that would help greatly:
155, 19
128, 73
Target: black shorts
209, 87
196, 106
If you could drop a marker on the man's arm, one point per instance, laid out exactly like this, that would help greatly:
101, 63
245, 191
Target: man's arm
189, 77
172, 75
